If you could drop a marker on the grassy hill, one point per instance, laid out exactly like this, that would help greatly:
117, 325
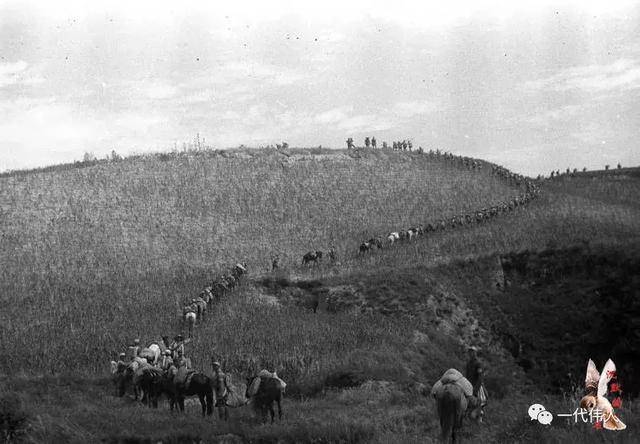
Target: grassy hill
99, 255
96, 256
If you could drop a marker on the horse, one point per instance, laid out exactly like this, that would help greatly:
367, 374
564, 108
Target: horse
198, 384
207, 294
127, 376
312, 257
375, 241
269, 391
230, 280
239, 269
453, 404
189, 316
150, 382
200, 305
219, 289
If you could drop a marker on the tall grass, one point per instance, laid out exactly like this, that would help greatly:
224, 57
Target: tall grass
95, 256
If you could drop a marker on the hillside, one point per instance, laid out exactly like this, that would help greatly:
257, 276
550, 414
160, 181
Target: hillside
98, 255
138, 236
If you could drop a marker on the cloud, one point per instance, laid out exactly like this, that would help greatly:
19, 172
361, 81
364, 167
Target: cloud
41, 131
561, 114
263, 72
392, 116
623, 74
411, 109
366, 122
136, 122
160, 91
18, 73
332, 116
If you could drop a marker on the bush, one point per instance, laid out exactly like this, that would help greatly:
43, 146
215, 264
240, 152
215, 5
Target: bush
13, 419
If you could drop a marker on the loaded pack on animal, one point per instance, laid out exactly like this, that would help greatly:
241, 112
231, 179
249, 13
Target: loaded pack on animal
264, 390
312, 257
454, 398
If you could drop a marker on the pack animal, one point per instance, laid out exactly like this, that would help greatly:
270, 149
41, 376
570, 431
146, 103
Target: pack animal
312, 256
270, 391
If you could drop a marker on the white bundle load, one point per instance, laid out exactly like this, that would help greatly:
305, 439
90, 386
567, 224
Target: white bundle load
253, 387
236, 395
452, 376
267, 374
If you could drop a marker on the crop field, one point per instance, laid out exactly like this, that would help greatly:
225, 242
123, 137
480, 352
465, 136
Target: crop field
93, 257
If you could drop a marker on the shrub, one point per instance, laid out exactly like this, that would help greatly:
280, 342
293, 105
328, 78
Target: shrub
13, 419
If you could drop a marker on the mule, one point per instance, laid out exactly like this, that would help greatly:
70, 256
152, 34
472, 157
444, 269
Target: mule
453, 405
150, 382
200, 305
126, 377
312, 256
239, 269
270, 391
375, 241
218, 289
198, 384
190, 318
207, 294
230, 281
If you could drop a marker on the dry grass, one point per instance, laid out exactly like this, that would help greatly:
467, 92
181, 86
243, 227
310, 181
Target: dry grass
94, 257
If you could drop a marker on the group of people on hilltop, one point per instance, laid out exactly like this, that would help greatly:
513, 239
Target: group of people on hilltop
402, 145
368, 143
371, 142
572, 173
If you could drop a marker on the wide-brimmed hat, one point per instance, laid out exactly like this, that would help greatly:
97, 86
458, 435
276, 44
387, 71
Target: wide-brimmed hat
215, 364
178, 337
136, 341
167, 352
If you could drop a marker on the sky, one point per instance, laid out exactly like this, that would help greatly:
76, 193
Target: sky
533, 86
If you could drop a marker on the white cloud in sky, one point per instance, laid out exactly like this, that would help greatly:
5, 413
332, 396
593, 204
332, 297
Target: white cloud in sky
621, 74
9, 72
13, 73
380, 119
334, 115
410, 109
160, 91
